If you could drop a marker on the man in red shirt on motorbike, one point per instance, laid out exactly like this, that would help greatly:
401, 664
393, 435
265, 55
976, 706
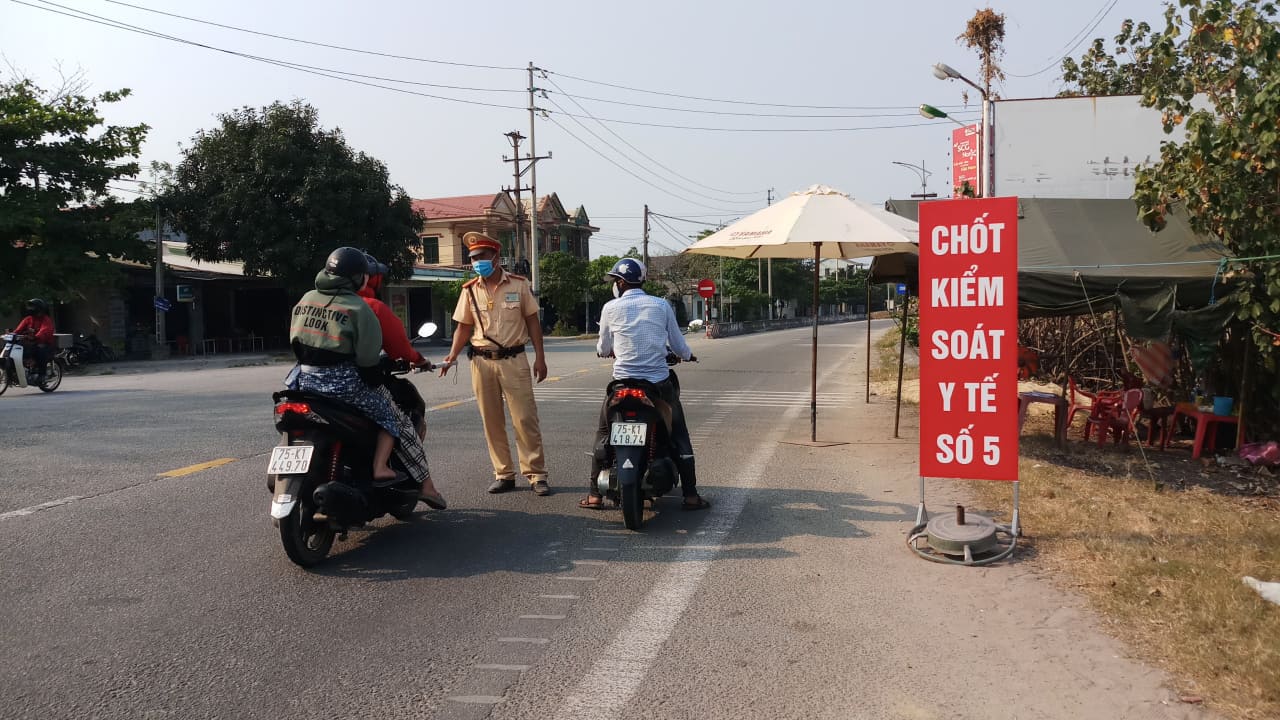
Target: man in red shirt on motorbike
37, 326
395, 343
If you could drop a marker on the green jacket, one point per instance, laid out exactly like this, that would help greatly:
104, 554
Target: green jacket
332, 325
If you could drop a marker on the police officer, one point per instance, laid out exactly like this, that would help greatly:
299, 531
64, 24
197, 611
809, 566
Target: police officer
497, 317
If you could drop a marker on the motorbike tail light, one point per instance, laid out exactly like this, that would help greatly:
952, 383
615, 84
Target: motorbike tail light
630, 394
293, 407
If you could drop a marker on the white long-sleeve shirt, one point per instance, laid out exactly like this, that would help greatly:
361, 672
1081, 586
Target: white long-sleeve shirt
638, 328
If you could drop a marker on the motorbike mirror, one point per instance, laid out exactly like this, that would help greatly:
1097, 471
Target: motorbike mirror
427, 330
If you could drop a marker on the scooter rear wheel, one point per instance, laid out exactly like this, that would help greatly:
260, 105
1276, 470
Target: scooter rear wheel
4, 380
632, 506
305, 542
52, 377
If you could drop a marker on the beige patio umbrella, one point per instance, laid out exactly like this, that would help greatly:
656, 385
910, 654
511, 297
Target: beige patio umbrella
817, 223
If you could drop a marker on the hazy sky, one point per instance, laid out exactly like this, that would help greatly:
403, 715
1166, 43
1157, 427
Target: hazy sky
872, 59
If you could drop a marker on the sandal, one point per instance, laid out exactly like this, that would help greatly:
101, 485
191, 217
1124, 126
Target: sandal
586, 503
435, 501
699, 505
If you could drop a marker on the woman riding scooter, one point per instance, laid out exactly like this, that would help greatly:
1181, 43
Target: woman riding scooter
337, 340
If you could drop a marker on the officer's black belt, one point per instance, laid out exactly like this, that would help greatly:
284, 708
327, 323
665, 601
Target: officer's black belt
494, 353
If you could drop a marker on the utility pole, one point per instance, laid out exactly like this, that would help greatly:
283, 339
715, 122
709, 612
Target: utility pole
644, 252
517, 245
768, 200
160, 331
533, 185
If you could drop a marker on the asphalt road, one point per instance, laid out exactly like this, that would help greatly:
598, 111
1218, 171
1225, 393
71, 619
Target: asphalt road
140, 576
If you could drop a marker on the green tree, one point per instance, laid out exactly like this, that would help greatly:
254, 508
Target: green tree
564, 282
272, 189
1120, 71
59, 228
1227, 171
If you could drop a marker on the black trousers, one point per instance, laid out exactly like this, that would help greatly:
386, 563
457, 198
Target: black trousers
681, 445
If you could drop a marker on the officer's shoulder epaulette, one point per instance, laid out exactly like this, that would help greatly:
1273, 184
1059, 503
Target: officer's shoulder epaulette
518, 277
470, 282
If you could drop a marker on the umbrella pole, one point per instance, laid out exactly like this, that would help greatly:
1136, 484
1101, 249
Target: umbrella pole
813, 361
868, 338
902, 352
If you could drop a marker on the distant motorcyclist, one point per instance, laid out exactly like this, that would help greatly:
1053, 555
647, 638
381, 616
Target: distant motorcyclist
37, 328
637, 329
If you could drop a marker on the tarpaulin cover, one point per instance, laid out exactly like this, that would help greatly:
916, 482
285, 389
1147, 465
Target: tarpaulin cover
1078, 256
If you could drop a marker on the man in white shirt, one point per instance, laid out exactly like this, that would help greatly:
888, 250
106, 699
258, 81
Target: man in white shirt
637, 329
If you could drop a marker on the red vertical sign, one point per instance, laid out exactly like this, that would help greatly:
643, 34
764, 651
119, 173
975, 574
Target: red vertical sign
966, 144
969, 339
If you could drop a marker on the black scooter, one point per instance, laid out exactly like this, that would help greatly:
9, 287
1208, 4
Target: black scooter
639, 461
320, 472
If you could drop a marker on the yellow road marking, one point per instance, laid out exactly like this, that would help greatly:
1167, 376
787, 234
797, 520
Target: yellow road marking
197, 467
584, 370
553, 379
446, 406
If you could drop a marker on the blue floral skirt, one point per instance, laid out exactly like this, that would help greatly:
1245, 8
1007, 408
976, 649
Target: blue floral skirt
342, 382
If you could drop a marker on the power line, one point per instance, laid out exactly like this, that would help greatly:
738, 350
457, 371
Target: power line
1077, 39
642, 167
613, 162
683, 241
727, 101
116, 24
695, 222
914, 112
642, 153
352, 78
315, 43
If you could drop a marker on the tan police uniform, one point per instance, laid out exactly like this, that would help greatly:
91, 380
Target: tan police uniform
499, 371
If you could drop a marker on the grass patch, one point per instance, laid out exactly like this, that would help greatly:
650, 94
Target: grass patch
884, 368
1164, 569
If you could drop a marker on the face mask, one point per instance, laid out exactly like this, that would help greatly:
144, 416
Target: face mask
483, 268
617, 290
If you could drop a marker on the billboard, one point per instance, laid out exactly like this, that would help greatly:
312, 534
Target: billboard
1083, 147
966, 146
969, 339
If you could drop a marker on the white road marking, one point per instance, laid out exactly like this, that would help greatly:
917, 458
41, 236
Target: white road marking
589, 562
622, 668
478, 699
599, 549
37, 508
495, 666
527, 641
543, 617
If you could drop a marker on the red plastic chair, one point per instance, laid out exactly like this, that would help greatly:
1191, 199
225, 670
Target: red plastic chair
1120, 421
1106, 404
1076, 402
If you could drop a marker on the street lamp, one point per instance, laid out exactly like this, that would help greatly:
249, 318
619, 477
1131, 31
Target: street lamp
924, 178
986, 173
933, 113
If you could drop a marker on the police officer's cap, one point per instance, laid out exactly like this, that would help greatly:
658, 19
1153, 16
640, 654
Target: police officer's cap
477, 242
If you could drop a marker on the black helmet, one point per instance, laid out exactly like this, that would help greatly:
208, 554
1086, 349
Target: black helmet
347, 262
36, 306
375, 267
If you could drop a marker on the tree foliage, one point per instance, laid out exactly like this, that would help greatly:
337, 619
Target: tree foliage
563, 278
272, 189
1120, 71
1226, 174
59, 227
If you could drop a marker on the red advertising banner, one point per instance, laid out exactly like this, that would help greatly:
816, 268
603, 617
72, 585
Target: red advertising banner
966, 144
969, 339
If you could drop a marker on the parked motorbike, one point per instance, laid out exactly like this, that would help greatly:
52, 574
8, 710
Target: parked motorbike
320, 472
639, 462
14, 372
